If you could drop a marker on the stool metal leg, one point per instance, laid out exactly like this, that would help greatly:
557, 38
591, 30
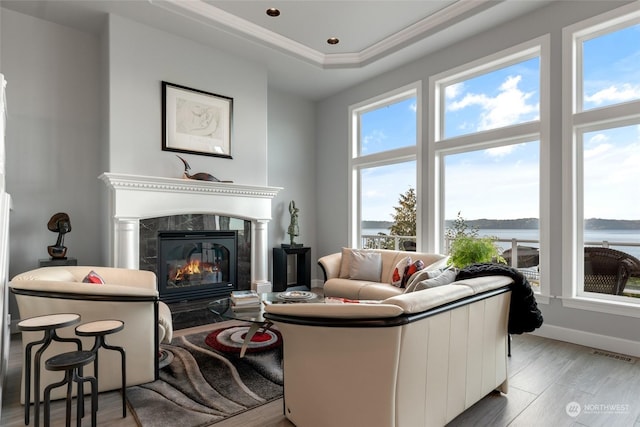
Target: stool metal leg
27, 377
47, 398
124, 374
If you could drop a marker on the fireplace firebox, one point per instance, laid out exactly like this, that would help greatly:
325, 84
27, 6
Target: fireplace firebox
196, 264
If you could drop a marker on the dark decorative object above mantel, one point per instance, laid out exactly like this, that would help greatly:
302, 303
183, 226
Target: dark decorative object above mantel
200, 176
61, 224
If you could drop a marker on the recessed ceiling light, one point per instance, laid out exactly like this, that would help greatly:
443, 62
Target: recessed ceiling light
333, 40
273, 12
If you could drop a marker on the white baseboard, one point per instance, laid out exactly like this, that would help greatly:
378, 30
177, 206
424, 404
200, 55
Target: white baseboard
588, 339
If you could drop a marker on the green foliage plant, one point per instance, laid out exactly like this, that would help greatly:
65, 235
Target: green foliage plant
467, 248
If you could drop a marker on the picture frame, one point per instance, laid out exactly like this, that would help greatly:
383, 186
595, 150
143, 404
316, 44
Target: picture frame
195, 121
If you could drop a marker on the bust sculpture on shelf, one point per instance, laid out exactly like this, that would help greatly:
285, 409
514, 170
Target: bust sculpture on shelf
61, 224
294, 229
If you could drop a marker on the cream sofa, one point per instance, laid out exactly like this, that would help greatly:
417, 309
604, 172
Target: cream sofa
415, 359
127, 295
338, 283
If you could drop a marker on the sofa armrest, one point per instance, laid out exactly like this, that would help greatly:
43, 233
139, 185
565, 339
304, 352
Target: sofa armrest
330, 265
335, 311
112, 275
79, 290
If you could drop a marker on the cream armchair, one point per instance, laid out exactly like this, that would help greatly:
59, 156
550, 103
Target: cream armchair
127, 295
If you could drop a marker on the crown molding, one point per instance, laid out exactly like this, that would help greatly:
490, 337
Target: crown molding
217, 18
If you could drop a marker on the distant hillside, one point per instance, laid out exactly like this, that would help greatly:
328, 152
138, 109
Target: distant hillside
526, 224
377, 224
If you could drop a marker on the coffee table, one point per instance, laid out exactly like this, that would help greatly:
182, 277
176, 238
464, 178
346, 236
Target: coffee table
223, 308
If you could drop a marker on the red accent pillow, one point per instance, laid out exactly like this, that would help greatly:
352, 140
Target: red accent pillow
400, 270
93, 277
410, 270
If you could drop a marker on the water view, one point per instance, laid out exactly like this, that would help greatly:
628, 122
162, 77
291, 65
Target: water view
591, 236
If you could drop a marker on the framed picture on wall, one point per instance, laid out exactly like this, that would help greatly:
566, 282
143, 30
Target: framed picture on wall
195, 121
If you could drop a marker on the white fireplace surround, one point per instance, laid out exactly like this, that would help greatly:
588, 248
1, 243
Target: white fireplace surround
135, 197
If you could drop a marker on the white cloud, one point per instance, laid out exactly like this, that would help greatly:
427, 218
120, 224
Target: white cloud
376, 137
454, 90
413, 107
614, 94
500, 151
508, 107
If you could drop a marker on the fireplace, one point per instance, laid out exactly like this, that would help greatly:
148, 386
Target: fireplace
196, 264
133, 198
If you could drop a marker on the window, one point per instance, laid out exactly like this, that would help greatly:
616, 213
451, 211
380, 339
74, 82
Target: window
384, 165
602, 149
489, 142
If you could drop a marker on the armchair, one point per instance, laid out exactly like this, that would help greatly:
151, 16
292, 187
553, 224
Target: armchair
127, 295
607, 270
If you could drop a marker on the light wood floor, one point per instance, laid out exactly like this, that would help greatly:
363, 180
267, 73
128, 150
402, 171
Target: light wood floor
545, 376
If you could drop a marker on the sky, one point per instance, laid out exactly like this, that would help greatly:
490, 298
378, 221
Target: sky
502, 183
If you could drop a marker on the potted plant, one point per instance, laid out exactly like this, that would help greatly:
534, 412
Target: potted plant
466, 247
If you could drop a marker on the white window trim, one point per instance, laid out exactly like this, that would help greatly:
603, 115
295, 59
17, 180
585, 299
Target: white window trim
576, 121
528, 131
403, 154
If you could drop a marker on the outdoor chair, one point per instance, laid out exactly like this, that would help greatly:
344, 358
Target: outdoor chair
606, 271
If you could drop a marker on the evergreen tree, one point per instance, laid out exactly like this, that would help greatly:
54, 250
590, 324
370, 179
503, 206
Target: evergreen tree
404, 219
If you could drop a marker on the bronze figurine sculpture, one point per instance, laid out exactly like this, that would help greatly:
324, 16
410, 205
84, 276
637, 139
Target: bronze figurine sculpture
61, 224
293, 229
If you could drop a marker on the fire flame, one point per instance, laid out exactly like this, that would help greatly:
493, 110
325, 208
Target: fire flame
193, 267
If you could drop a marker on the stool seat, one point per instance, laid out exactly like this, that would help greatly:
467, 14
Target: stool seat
71, 359
99, 327
48, 321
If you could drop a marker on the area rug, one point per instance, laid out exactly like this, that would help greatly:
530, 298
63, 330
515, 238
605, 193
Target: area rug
205, 381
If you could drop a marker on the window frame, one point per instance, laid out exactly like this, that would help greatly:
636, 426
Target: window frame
358, 162
438, 147
577, 122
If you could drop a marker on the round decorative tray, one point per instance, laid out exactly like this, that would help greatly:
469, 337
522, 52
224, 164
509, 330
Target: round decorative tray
296, 295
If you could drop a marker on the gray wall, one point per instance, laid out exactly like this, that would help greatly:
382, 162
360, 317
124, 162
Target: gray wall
292, 166
332, 145
140, 57
53, 137
81, 104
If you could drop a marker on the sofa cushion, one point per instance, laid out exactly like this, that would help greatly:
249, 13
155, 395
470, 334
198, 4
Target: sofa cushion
399, 272
416, 302
445, 278
55, 274
365, 265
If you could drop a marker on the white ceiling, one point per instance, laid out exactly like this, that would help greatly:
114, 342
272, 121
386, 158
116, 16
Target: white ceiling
375, 35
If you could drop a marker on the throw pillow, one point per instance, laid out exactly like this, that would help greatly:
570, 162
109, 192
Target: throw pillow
413, 269
420, 276
447, 277
365, 265
345, 263
93, 277
399, 272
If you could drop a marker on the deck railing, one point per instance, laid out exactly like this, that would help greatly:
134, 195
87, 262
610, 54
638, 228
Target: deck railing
378, 241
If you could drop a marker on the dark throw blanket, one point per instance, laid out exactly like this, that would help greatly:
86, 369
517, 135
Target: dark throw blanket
524, 315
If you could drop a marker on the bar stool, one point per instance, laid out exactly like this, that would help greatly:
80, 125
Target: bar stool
48, 324
99, 329
71, 363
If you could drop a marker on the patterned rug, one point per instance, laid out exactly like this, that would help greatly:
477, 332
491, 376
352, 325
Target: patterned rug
205, 381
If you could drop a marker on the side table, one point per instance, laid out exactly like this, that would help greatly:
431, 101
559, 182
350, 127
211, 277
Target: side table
48, 262
303, 267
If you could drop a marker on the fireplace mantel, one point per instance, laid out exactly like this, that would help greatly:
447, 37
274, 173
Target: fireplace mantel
135, 197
